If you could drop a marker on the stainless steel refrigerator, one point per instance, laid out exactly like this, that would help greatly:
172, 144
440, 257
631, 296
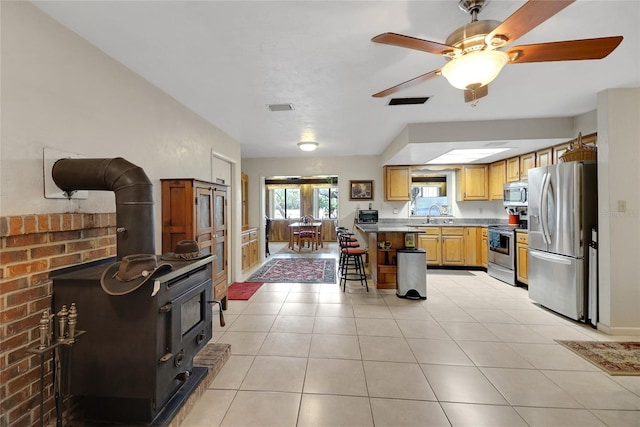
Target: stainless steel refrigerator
563, 207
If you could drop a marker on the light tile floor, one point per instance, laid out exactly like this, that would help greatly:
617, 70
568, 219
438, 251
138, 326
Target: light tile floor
477, 352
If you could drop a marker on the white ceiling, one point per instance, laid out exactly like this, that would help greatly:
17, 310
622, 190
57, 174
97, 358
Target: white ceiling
227, 60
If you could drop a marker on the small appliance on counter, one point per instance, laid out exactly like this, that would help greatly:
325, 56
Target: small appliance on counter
367, 216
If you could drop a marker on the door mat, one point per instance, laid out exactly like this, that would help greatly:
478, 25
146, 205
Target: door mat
242, 290
296, 270
615, 358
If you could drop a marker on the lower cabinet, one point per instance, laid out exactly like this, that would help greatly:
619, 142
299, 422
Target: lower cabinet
454, 246
522, 243
249, 248
484, 247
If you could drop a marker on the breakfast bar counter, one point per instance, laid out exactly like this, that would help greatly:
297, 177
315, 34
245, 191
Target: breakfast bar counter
383, 240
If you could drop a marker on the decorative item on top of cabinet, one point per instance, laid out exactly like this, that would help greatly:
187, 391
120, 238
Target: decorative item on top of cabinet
513, 169
474, 183
522, 266
397, 183
497, 178
250, 251
544, 157
197, 210
558, 151
527, 161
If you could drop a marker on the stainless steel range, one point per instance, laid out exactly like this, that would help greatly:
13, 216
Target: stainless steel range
501, 259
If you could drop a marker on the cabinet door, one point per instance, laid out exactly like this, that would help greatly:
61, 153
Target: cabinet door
544, 157
474, 182
471, 255
245, 200
204, 219
513, 169
431, 244
220, 233
527, 161
522, 265
397, 183
558, 151
452, 250
484, 247
497, 175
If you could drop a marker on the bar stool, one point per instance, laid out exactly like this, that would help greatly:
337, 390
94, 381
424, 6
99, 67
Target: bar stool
345, 240
351, 266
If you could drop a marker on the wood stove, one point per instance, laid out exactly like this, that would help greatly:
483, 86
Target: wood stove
139, 348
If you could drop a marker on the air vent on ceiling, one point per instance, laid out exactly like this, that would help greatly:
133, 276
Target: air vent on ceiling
408, 101
495, 143
280, 107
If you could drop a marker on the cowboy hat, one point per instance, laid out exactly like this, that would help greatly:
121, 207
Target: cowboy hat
133, 271
185, 250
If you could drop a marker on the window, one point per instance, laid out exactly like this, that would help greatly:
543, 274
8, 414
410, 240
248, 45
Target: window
428, 195
325, 202
284, 202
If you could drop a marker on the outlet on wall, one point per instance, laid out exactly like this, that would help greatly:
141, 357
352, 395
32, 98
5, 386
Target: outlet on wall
622, 205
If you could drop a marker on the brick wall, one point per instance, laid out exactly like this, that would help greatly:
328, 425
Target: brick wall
31, 247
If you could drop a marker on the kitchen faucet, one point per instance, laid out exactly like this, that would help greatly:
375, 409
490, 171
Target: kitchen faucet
435, 205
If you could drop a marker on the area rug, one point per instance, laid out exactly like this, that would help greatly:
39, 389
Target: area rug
615, 358
242, 290
297, 270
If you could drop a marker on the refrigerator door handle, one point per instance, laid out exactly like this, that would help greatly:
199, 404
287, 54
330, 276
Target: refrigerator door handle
550, 257
544, 207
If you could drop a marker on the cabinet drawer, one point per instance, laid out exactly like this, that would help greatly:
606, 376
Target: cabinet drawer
253, 235
452, 231
522, 238
485, 232
220, 291
431, 230
245, 238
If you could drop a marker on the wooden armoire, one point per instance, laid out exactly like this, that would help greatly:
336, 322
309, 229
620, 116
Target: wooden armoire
197, 210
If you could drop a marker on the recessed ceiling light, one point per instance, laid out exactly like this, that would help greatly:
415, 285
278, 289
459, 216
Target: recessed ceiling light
308, 145
465, 155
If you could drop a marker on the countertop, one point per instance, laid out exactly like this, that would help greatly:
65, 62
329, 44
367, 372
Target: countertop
387, 228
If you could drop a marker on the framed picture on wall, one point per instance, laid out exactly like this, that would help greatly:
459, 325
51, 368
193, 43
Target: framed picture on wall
360, 190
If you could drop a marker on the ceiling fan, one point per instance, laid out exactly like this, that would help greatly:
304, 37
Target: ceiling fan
473, 50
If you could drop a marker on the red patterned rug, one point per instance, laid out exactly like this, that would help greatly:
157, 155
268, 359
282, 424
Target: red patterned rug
297, 270
242, 290
615, 358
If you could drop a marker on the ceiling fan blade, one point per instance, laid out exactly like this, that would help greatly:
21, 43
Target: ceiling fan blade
570, 50
406, 84
523, 20
472, 95
415, 43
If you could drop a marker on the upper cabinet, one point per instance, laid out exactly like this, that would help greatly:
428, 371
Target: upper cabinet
474, 182
397, 183
559, 150
513, 169
497, 178
527, 161
544, 157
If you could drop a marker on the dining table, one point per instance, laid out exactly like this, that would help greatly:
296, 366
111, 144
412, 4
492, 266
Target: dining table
317, 226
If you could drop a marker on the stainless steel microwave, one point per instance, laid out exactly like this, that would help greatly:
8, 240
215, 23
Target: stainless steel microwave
516, 194
367, 216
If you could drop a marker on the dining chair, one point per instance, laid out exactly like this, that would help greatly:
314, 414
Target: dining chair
307, 233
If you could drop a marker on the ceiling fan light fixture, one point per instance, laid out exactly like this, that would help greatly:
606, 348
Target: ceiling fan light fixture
308, 145
475, 69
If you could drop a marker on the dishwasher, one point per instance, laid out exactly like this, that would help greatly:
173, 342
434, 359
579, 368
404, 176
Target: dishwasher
411, 273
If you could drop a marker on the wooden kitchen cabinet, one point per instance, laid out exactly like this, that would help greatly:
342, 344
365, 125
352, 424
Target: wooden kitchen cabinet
197, 210
522, 243
544, 157
558, 151
484, 247
397, 183
497, 178
430, 242
513, 169
474, 182
453, 246
473, 246
527, 161
249, 251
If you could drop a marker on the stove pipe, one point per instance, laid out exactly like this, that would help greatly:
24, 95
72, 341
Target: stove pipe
133, 191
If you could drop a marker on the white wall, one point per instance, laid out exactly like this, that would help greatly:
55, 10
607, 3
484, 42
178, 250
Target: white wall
619, 232
61, 92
